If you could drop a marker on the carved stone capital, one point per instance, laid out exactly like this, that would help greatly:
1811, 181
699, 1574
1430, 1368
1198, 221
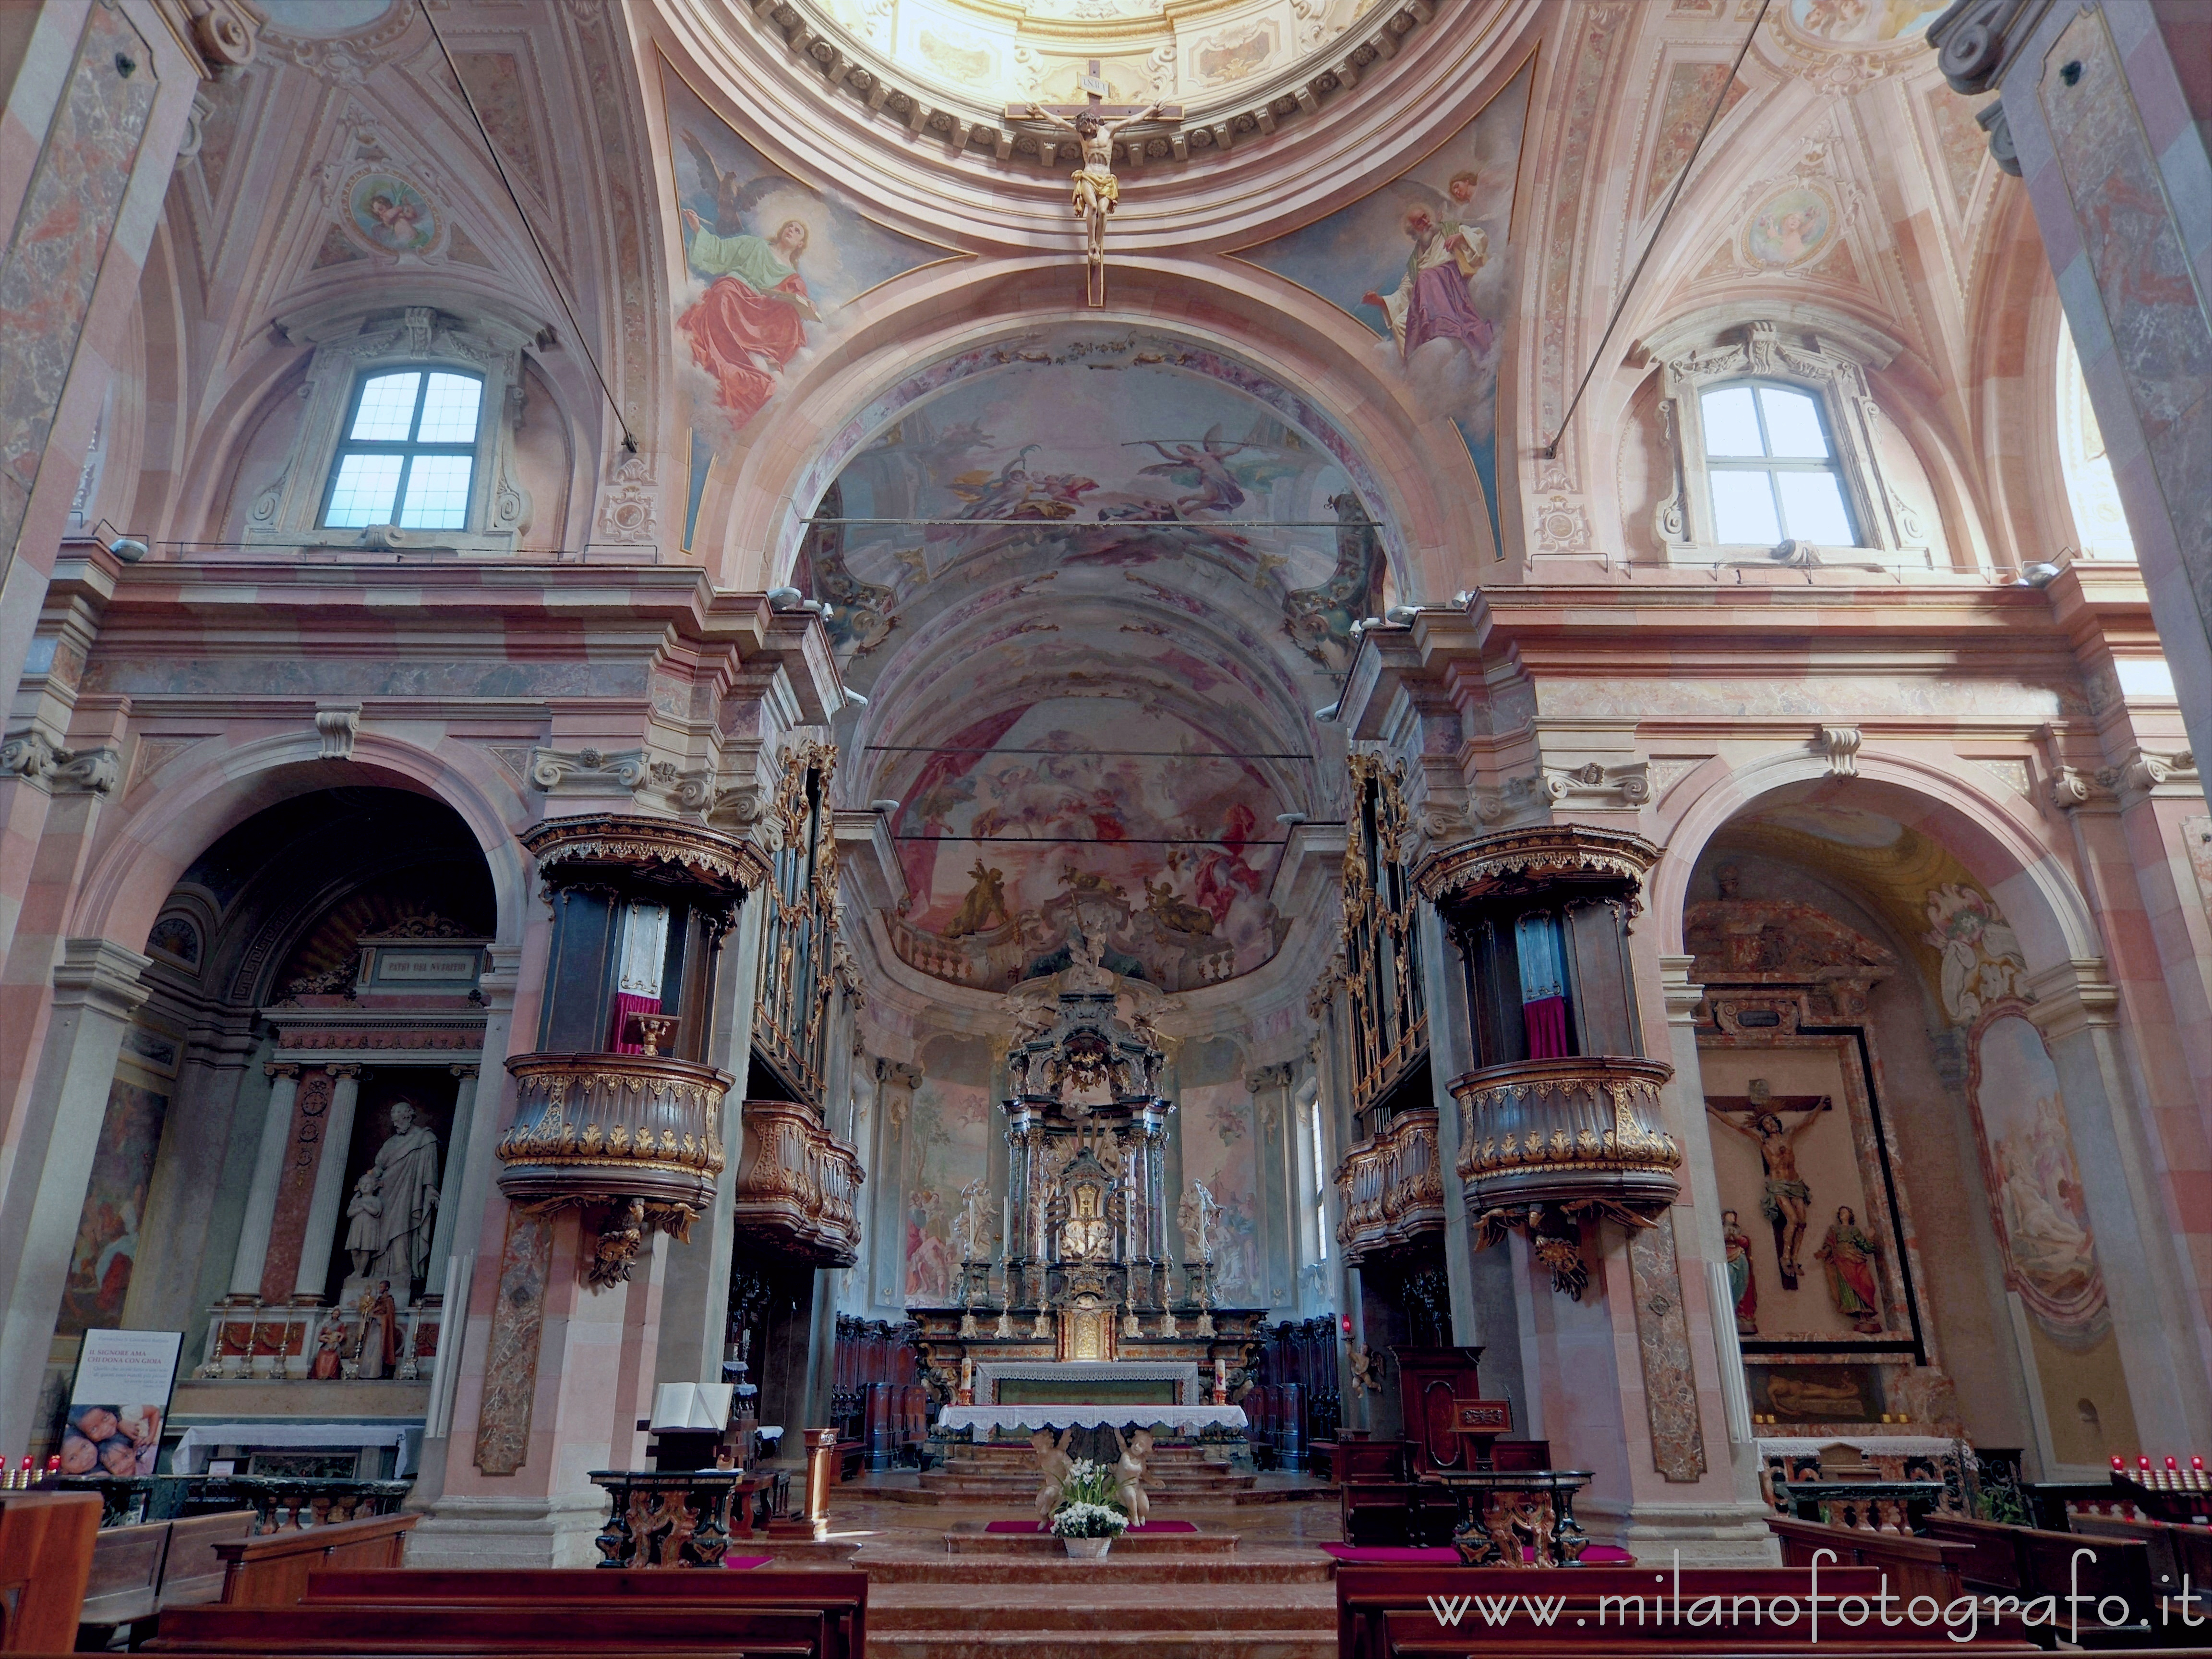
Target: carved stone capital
100, 973
1977, 39
2071, 788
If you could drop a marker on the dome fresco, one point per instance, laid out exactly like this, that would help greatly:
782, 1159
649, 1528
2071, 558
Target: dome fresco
1143, 49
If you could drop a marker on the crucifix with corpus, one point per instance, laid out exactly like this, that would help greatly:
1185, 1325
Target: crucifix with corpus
1786, 1201
1097, 191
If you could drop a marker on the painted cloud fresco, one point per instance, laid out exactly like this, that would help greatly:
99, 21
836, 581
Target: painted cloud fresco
1422, 262
770, 263
1102, 593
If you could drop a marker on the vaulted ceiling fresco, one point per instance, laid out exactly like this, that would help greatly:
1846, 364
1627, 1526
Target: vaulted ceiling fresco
1093, 598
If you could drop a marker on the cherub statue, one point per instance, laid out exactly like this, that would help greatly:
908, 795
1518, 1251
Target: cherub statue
1129, 1475
1097, 191
1053, 1466
1363, 1378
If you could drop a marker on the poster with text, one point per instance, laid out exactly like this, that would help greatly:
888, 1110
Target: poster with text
119, 1400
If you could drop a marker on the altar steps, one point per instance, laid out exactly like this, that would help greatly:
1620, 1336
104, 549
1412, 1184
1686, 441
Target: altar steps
1282, 1606
1005, 1471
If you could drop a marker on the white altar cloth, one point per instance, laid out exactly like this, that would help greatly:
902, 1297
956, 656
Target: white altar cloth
198, 1443
1184, 1372
1873, 1445
1177, 1420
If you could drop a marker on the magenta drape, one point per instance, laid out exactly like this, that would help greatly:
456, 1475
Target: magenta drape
1547, 1022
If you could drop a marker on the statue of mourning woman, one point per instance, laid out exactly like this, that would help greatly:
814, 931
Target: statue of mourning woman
395, 1206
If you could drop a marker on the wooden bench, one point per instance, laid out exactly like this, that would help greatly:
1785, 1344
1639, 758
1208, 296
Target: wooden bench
124, 1584
2029, 1562
1916, 1566
600, 1627
194, 1572
272, 1570
841, 1595
2176, 1552
1390, 1612
46, 1557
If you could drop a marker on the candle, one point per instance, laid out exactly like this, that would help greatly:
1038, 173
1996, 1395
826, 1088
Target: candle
1005, 1226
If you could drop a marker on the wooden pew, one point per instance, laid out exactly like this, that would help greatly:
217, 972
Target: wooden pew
45, 1556
603, 1626
272, 1570
2175, 1551
194, 1573
124, 1584
1387, 1612
2029, 1562
842, 1595
1916, 1566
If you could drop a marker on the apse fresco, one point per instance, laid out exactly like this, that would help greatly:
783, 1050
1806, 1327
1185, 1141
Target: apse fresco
1864, 22
770, 264
1035, 829
1162, 468
1215, 1123
947, 1145
1423, 262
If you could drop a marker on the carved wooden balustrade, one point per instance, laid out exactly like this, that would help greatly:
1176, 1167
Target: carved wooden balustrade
796, 1183
1580, 1134
1392, 1186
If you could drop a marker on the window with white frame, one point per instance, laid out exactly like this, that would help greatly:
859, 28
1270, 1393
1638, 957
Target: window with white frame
1772, 467
409, 453
405, 434
1320, 1182
1773, 440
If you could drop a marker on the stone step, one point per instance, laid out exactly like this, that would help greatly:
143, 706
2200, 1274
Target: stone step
1010, 1503
975, 1542
1090, 1644
1304, 1568
1176, 1480
1053, 1610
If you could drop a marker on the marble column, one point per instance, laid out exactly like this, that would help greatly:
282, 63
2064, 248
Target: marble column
449, 1180
2101, 105
96, 989
268, 1177
327, 1205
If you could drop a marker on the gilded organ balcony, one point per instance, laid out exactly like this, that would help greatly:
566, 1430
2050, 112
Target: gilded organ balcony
1581, 1135
1392, 1187
796, 1186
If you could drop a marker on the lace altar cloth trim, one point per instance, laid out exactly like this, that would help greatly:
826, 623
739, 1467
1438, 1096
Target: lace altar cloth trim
1184, 1372
1869, 1445
1177, 1420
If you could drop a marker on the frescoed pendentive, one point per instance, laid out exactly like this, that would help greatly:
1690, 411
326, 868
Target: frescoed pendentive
770, 264
1423, 261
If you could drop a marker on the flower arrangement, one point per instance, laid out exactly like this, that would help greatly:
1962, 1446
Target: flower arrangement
1087, 1508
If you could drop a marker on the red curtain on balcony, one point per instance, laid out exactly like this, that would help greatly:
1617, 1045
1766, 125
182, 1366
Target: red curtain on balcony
1546, 1023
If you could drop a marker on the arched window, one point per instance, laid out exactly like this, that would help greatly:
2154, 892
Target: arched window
409, 453
2091, 489
1772, 466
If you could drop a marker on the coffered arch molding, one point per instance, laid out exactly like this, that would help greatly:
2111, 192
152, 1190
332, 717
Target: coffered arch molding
1442, 73
2000, 849
146, 853
1302, 354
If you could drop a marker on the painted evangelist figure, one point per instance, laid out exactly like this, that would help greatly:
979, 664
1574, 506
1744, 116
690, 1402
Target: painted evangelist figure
772, 261
1421, 261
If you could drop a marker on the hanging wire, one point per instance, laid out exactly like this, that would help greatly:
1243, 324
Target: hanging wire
1551, 451
575, 328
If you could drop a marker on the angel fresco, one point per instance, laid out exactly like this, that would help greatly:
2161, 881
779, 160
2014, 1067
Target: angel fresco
1205, 462
747, 228
751, 322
